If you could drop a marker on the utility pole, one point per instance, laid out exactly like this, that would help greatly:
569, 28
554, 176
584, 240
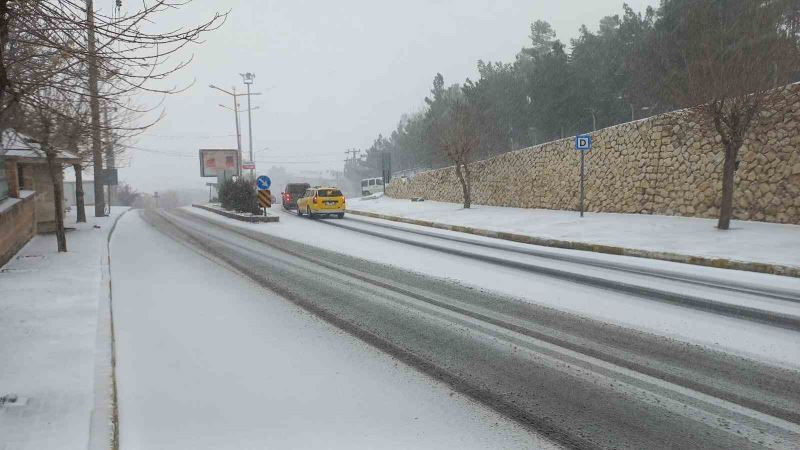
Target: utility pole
236, 116
248, 78
94, 105
354, 152
109, 155
236, 112
238, 132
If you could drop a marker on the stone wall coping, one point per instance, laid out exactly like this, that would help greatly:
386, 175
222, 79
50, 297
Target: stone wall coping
9, 203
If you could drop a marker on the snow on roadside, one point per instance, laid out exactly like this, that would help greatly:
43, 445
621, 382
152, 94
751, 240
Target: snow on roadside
746, 241
48, 333
208, 359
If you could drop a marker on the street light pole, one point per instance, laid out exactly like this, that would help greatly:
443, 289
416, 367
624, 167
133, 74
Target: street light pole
238, 129
248, 78
236, 115
236, 112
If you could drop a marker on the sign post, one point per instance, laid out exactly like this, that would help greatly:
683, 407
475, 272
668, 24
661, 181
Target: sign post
263, 184
583, 143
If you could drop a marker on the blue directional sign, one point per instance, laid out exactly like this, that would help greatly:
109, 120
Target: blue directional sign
263, 183
583, 142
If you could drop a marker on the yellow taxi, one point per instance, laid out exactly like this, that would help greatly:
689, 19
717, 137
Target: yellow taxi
319, 201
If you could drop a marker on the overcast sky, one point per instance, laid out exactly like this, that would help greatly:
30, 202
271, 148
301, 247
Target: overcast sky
333, 74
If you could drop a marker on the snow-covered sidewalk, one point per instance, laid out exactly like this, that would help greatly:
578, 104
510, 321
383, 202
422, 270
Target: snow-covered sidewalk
50, 307
660, 237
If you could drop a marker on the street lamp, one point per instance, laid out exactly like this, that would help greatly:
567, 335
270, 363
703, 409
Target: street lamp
236, 115
236, 112
248, 79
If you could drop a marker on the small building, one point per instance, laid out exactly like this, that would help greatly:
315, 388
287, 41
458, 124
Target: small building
71, 195
26, 191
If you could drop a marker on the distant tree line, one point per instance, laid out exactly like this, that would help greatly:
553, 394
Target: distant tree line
625, 70
720, 59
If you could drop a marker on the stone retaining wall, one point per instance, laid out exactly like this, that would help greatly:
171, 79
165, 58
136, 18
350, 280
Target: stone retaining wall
666, 164
17, 225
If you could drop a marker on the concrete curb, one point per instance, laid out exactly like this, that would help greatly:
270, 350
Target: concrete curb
233, 215
104, 426
720, 263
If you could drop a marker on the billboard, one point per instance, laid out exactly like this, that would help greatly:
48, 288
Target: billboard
214, 161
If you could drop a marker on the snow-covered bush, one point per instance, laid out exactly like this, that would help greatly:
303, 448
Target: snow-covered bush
239, 195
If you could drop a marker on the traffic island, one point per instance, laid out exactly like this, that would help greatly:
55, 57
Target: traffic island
720, 263
244, 217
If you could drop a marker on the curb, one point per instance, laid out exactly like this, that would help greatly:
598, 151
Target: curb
720, 263
233, 215
104, 422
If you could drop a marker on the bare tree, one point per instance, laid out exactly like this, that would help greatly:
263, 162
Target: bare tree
459, 139
49, 116
108, 57
736, 54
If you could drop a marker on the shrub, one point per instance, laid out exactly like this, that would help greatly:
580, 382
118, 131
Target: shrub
239, 195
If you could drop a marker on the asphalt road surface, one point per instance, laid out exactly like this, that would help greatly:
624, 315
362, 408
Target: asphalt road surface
580, 382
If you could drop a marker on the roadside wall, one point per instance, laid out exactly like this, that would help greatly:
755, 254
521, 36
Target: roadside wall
17, 224
666, 164
45, 197
70, 196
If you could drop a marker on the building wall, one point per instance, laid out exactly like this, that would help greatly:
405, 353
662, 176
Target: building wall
45, 197
17, 225
667, 164
70, 195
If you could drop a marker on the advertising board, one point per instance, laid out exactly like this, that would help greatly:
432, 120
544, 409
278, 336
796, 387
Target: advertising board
216, 161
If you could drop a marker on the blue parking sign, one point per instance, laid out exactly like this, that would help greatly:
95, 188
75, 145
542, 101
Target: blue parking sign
263, 182
583, 142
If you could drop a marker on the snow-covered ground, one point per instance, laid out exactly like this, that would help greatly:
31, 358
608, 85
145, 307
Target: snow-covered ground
745, 241
48, 337
208, 359
728, 334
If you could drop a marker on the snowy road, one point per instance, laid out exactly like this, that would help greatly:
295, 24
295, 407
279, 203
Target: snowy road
207, 359
579, 381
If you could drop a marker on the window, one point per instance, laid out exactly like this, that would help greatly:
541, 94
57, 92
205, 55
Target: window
380, 182
296, 189
330, 193
3, 181
364, 183
372, 182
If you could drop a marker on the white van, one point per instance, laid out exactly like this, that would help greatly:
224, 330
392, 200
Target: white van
371, 186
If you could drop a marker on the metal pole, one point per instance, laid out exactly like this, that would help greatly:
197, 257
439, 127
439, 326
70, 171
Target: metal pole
94, 105
238, 131
110, 158
250, 129
633, 115
582, 153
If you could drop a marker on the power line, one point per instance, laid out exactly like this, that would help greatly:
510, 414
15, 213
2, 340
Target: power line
184, 136
177, 154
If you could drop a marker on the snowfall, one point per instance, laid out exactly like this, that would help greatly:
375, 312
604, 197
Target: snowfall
746, 241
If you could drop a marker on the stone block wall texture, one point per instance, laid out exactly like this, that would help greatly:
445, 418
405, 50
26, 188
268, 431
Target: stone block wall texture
668, 165
17, 227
